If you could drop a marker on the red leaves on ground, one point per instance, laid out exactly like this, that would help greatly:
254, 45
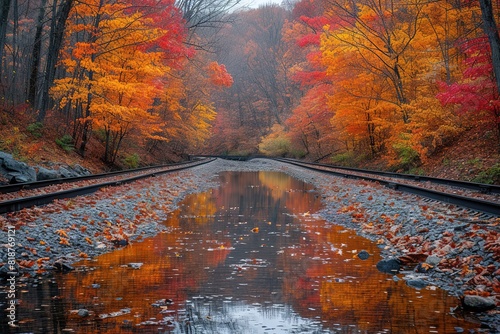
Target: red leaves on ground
414, 258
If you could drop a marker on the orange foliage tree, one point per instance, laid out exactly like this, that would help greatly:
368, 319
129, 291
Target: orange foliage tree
373, 68
128, 78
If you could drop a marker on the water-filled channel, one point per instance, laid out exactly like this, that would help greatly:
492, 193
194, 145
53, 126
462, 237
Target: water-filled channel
247, 257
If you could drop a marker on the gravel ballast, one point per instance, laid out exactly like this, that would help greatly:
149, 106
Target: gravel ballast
460, 249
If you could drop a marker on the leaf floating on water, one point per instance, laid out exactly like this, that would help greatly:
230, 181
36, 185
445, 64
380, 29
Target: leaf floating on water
135, 265
115, 314
255, 230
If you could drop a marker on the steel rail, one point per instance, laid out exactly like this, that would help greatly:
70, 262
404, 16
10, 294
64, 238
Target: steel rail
40, 184
467, 202
481, 187
26, 202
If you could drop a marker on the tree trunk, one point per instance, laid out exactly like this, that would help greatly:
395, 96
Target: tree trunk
491, 30
35, 63
56, 39
4, 16
87, 125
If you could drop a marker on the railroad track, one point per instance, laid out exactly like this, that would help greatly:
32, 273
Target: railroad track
476, 196
19, 196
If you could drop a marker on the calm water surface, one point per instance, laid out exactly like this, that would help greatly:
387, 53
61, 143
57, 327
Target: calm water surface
248, 257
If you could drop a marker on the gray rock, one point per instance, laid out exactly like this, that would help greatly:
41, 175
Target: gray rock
66, 173
433, 260
363, 255
417, 283
15, 171
16, 177
83, 313
63, 266
478, 303
389, 266
46, 174
81, 170
3, 154
135, 265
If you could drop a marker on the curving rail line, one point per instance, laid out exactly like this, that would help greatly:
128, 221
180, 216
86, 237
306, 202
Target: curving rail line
388, 179
26, 202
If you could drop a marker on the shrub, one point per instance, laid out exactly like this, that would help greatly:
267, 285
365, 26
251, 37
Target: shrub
35, 129
489, 176
344, 159
276, 143
407, 157
131, 160
66, 143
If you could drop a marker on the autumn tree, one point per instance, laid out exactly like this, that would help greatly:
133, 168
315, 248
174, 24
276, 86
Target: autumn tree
112, 59
204, 19
475, 95
57, 30
186, 109
309, 126
263, 93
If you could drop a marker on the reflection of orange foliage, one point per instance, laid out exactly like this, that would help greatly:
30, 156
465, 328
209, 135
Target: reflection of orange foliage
170, 268
278, 183
326, 274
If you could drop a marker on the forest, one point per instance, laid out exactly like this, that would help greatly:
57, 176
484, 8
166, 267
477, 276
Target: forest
389, 83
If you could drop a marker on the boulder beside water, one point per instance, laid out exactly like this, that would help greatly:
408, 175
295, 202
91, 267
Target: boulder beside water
389, 266
478, 303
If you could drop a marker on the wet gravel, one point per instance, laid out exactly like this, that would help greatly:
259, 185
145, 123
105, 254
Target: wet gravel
464, 246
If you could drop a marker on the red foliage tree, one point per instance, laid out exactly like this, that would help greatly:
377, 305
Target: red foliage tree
476, 93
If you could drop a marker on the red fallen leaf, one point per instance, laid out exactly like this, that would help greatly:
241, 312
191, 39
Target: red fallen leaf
30, 239
414, 258
448, 234
26, 263
480, 280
